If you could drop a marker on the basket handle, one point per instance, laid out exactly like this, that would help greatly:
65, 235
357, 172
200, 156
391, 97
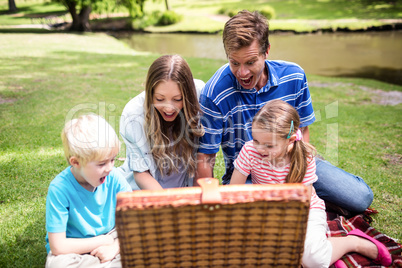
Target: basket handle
210, 191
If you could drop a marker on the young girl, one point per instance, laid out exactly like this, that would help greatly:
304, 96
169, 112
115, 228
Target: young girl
277, 154
160, 127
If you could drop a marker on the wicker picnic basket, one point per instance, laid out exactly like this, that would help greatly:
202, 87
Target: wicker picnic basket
213, 226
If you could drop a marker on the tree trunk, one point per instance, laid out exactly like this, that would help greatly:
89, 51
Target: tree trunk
167, 5
81, 20
12, 8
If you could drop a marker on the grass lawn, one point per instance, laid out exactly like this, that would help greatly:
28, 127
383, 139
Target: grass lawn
44, 78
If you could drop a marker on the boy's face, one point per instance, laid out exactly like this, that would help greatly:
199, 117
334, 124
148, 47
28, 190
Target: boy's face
93, 172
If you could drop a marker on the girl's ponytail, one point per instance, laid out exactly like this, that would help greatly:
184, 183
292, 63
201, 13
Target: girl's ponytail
300, 156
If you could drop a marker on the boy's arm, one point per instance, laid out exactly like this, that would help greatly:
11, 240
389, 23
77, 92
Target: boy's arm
59, 244
238, 178
107, 252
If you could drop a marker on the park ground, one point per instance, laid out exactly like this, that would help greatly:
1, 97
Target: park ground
48, 75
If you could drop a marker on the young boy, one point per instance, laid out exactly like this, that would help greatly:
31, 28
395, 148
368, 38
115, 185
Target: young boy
81, 200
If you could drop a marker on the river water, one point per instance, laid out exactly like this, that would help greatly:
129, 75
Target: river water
376, 55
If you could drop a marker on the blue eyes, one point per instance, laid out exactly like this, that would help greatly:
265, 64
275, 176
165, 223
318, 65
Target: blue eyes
104, 163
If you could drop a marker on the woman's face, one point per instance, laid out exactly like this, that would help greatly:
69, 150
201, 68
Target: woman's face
168, 100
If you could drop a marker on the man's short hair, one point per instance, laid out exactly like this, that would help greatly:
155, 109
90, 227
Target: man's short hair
243, 29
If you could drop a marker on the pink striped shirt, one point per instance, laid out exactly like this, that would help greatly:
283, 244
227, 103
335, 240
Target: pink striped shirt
249, 161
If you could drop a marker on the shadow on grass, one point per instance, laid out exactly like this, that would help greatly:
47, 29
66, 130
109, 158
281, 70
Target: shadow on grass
26, 249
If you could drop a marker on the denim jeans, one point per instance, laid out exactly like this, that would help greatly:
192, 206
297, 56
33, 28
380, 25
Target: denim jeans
341, 188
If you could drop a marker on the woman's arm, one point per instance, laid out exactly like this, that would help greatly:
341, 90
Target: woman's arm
238, 178
60, 244
145, 181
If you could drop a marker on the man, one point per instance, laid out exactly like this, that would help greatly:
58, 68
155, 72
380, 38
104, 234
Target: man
236, 92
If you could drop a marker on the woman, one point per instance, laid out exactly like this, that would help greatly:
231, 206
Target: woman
161, 127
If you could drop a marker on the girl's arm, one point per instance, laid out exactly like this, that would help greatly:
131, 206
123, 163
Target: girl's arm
145, 181
60, 244
310, 190
238, 178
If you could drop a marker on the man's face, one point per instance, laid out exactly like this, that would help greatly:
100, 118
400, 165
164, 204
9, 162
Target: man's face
248, 66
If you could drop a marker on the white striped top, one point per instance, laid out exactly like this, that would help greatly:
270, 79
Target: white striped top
251, 162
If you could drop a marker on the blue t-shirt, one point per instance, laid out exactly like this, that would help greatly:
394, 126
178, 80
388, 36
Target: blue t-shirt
80, 213
229, 108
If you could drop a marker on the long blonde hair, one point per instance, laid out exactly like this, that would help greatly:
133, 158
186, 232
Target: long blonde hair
281, 118
175, 142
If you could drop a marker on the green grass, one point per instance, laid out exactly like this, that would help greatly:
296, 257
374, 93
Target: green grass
58, 74
44, 77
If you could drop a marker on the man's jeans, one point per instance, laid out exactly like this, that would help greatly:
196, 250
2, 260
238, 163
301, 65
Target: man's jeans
341, 188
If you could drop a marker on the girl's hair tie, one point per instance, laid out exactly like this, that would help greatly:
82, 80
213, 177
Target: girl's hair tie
299, 135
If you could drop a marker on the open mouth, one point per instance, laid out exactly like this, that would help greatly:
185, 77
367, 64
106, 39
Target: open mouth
169, 115
246, 82
102, 180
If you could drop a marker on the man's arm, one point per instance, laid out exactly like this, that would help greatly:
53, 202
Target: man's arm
306, 134
205, 166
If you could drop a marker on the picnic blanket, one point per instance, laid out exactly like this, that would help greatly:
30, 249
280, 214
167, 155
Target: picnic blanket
340, 226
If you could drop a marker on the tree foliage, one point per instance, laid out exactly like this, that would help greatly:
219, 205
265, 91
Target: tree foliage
81, 9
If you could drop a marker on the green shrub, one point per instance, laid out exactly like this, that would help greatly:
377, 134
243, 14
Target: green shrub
232, 12
146, 20
169, 17
268, 12
227, 11
222, 11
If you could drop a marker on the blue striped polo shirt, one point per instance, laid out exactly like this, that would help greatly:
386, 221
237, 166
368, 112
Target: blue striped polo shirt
228, 108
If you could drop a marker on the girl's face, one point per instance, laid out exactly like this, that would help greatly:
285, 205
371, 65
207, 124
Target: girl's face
270, 146
94, 172
168, 100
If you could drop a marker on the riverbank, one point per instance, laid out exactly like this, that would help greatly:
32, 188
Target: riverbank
296, 26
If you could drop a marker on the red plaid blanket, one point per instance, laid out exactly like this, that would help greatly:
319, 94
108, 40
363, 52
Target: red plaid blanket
340, 226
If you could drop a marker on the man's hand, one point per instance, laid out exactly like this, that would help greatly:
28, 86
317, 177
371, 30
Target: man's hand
205, 166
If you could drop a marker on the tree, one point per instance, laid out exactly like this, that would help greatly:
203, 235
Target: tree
81, 9
81, 18
12, 8
167, 5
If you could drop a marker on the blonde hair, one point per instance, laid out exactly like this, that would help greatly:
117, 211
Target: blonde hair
89, 138
276, 117
245, 28
178, 141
